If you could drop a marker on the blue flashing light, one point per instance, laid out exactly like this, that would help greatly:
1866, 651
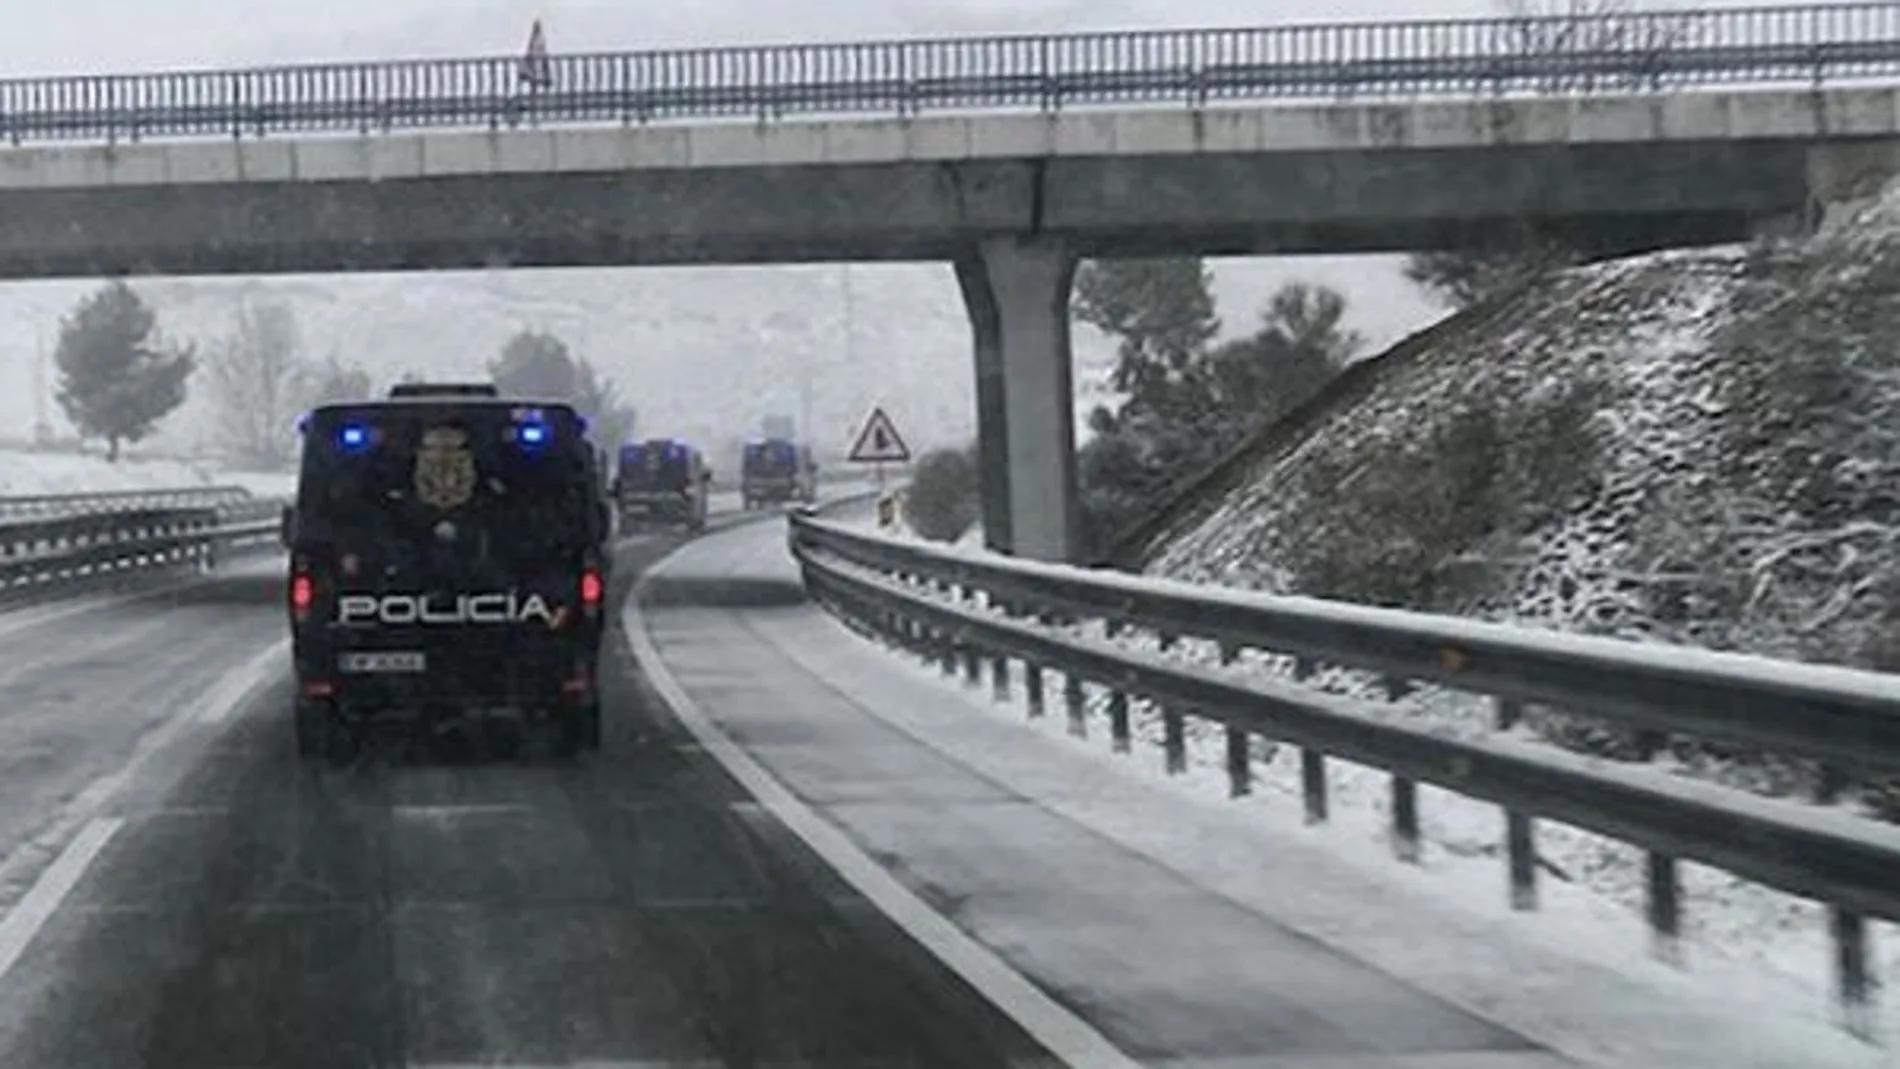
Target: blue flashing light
352, 437
531, 433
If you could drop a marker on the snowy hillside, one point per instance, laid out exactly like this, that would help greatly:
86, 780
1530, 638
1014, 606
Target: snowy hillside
1694, 447
1690, 446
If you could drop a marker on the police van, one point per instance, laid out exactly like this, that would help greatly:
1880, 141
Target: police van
775, 471
448, 554
662, 481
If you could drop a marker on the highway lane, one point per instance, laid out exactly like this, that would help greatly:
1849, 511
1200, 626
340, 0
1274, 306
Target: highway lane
1164, 966
89, 686
423, 909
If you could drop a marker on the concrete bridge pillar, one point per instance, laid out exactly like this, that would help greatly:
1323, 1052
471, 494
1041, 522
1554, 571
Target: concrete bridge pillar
1016, 291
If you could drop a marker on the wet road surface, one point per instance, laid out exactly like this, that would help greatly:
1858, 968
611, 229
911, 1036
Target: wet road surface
233, 907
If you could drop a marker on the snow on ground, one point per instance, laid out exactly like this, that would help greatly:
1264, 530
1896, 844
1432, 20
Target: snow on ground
260, 483
1572, 924
1783, 938
24, 472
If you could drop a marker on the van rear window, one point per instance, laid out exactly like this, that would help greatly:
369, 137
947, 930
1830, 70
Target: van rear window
516, 482
658, 465
771, 456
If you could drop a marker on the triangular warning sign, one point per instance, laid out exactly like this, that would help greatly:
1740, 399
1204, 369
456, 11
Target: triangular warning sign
535, 68
879, 441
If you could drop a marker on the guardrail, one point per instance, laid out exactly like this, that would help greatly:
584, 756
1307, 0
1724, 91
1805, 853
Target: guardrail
1651, 50
964, 608
124, 500
127, 535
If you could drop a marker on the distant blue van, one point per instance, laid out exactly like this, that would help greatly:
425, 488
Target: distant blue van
777, 471
662, 482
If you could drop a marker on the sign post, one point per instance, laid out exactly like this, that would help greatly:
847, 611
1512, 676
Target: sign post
878, 444
535, 70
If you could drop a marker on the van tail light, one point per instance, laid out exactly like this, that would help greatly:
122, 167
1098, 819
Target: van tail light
593, 591
303, 595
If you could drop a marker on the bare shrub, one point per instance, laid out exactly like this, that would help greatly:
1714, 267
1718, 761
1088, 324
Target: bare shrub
1402, 520
942, 503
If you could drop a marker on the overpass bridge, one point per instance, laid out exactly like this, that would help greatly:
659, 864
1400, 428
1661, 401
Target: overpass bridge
1010, 157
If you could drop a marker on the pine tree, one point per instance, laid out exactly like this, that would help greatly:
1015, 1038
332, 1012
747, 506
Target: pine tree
116, 380
1460, 278
1188, 400
1162, 310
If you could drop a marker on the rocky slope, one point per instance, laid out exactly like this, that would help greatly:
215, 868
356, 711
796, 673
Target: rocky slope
1693, 446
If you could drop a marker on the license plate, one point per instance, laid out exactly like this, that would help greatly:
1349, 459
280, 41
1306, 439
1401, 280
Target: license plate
382, 661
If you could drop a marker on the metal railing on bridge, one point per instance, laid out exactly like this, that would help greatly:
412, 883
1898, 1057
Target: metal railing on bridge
965, 608
1621, 52
72, 543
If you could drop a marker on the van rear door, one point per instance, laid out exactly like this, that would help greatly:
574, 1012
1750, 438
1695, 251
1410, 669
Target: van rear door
451, 538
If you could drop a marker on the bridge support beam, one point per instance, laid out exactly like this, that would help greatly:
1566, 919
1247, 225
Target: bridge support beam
1016, 291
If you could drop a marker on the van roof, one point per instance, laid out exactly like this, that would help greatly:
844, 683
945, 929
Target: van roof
471, 403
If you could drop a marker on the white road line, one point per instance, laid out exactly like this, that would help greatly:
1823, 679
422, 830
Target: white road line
232, 689
42, 900
95, 795
1061, 1031
452, 812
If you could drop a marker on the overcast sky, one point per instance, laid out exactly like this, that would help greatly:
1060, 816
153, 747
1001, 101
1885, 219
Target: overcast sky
95, 36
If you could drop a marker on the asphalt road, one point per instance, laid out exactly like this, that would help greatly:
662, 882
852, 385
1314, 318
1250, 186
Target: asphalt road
224, 905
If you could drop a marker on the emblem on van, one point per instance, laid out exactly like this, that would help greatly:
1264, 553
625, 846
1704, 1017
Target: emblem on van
445, 469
